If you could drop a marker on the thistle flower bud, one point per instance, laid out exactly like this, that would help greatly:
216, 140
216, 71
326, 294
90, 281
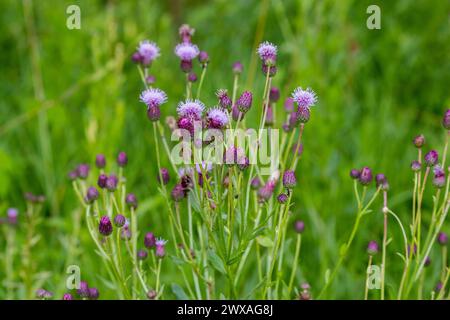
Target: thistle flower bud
186, 66
381, 182
282, 198
419, 141
153, 113
83, 290
186, 33
149, 240
265, 192
236, 114
142, 255
289, 179
245, 101
365, 177
122, 159
297, 149
274, 94
438, 287
150, 79
446, 120
67, 296
427, 261
431, 158
267, 52
303, 114
164, 174
136, 57
91, 195
439, 177
299, 226
105, 227
148, 52
192, 77
243, 163
237, 67
119, 220
73, 175
354, 173
160, 251
271, 69
151, 294
203, 58
255, 183
83, 171
111, 183
100, 161
224, 99
43, 294
131, 200
269, 116
416, 166
372, 248
177, 193
125, 233
93, 294
442, 238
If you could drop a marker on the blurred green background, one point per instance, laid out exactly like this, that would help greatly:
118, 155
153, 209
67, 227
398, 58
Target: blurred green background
67, 95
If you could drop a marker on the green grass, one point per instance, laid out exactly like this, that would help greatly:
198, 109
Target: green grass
69, 94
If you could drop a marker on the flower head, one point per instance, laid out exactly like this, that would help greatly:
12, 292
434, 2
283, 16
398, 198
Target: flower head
245, 101
416, 166
446, 120
93, 293
142, 255
160, 248
237, 67
187, 51
419, 141
439, 177
100, 161
216, 118
83, 171
289, 179
372, 248
267, 52
131, 200
274, 94
299, 226
12, 214
224, 99
153, 97
282, 198
91, 195
304, 98
122, 159
186, 32
365, 176
191, 108
442, 238
164, 174
105, 227
431, 158
148, 52
354, 173
111, 183
149, 240
119, 220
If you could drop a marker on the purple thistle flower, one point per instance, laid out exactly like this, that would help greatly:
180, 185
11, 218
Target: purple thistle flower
131, 201
105, 227
160, 251
372, 248
427, 261
289, 179
446, 120
142, 255
243, 163
439, 177
192, 77
125, 233
186, 32
101, 181
245, 101
442, 238
67, 296
93, 294
186, 123
354, 173
151, 294
267, 52
153, 113
83, 290
365, 176
91, 195
289, 104
381, 182
237, 67
122, 159
303, 114
416, 166
164, 174
203, 58
282, 198
224, 99
187, 51
12, 214
111, 183
419, 141
83, 171
177, 193
43, 294
148, 52
274, 94
119, 220
438, 287
233, 156
149, 240
191, 108
100, 161
265, 192
431, 158
153, 97
205, 166
299, 226
136, 57
255, 183
304, 98
269, 116
216, 118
